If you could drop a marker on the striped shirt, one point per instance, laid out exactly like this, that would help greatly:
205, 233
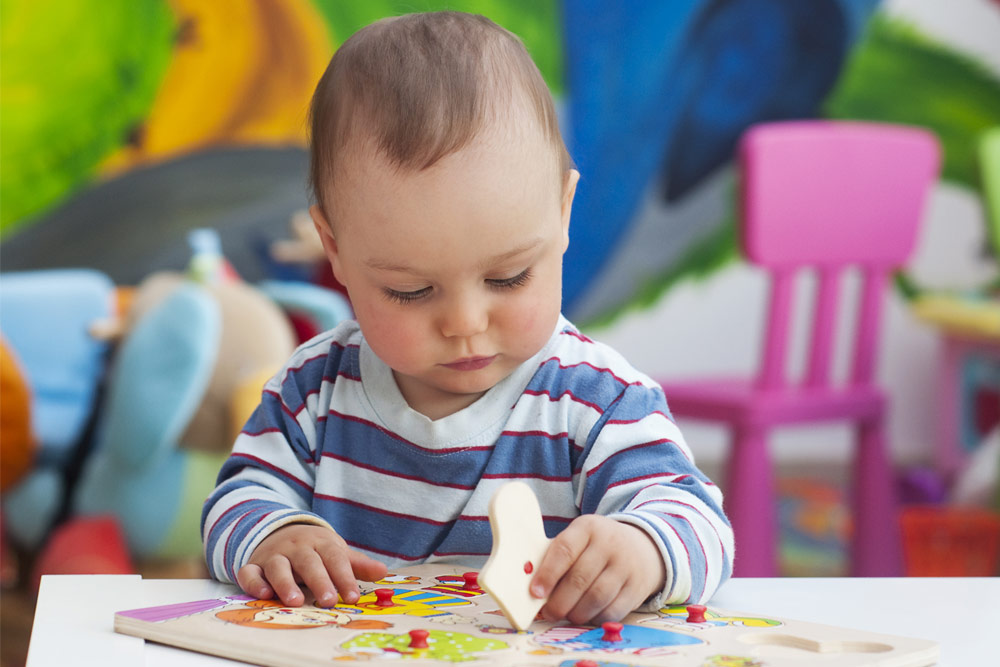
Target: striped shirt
334, 443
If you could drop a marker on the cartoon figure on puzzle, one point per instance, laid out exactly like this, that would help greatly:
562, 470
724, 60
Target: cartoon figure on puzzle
631, 639
676, 616
402, 601
398, 579
272, 615
440, 645
465, 585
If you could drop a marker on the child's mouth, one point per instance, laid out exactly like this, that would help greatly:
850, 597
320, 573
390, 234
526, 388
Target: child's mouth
470, 363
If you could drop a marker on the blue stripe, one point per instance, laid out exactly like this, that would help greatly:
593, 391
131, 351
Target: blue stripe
364, 444
532, 456
582, 381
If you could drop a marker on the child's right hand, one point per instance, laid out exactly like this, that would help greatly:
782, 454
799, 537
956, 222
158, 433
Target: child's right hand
311, 555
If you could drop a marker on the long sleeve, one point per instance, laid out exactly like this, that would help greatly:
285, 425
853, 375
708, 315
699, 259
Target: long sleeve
639, 470
269, 479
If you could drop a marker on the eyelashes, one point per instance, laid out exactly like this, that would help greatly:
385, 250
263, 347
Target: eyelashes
510, 283
499, 285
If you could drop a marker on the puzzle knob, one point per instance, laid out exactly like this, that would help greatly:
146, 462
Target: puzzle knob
418, 638
612, 632
471, 581
383, 597
696, 613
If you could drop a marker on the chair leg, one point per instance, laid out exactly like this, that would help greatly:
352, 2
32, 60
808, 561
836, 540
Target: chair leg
750, 504
876, 549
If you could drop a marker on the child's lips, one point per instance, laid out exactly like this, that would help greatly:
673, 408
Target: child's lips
470, 363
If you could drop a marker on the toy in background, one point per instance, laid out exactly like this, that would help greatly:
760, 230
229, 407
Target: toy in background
46, 320
191, 353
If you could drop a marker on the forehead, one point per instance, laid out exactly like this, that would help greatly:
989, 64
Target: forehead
501, 179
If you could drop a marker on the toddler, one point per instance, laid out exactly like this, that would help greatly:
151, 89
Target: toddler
443, 192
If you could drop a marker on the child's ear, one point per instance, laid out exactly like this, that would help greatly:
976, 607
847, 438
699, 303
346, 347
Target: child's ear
330, 248
569, 191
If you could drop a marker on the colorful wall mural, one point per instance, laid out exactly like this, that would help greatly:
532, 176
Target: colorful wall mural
123, 128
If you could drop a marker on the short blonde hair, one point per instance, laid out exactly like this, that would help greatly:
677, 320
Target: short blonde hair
420, 87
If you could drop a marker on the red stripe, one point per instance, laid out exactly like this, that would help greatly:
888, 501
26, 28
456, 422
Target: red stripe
272, 467
634, 421
516, 475
543, 434
555, 399
590, 365
575, 334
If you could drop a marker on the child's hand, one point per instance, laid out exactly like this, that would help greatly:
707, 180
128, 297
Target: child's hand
598, 570
311, 555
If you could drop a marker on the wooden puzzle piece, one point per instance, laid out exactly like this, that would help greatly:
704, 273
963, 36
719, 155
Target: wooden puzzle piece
519, 543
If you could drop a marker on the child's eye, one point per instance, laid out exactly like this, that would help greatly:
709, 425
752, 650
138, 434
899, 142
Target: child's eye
405, 297
510, 283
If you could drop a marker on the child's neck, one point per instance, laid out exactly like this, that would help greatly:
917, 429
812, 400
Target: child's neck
435, 404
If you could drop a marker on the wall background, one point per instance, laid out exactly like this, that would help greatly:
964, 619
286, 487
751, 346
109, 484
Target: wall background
120, 130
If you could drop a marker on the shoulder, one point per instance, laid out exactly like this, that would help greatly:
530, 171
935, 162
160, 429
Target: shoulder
328, 354
587, 371
576, 353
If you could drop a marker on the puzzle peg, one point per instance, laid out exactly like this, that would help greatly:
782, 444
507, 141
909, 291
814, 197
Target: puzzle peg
383, 597
612, 632
418, 638
696, 613
471, 581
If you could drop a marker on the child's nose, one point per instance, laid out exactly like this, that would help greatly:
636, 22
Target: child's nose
464, 316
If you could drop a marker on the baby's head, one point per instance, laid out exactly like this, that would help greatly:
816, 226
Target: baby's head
443, 193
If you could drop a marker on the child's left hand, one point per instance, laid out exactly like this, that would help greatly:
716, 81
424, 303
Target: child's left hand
598, 570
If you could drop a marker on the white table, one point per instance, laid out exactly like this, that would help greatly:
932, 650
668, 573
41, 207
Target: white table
75, 614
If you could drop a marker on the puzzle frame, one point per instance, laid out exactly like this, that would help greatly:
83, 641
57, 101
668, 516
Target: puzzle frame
463, 625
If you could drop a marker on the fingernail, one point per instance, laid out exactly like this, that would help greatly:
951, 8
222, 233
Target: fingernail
537, 590
351, 597
326, 600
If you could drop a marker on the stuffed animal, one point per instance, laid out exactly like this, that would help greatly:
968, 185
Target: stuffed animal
195, 352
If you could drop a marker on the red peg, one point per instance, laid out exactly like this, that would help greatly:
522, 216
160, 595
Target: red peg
418, 638
383, 597
471, 581
696, 613
612, 632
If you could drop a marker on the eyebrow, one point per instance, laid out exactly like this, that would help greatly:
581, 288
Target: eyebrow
496, 259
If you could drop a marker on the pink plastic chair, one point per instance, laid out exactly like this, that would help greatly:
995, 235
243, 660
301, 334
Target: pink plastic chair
823, 196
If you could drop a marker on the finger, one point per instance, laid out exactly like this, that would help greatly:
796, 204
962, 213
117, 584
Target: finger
601, 595
366, 568
337, 563
562, 553
573, 586
251, 579
278, 571
312, 569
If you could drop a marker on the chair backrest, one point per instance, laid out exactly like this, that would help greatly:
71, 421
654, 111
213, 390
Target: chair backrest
829, 195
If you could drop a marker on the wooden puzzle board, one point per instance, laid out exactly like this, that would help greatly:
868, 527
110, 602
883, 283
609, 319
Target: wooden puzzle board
465, 626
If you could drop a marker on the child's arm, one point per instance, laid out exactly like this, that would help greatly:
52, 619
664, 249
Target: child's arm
254, 521
652, 527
